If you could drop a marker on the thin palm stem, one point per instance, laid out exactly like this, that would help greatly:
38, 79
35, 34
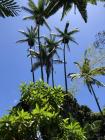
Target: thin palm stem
96, 100
33, 76
40, 53
47, 79
52, 74
65, 73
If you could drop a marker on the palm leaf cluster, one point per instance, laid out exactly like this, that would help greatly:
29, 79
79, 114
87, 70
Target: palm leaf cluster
88, 75
55, 5
81, 5
30, 36
8, 8
37, 12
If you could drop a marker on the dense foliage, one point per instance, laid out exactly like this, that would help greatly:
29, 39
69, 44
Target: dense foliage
39, 114
48, 113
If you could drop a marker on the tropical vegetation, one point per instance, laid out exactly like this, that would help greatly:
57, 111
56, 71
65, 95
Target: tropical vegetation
49, 112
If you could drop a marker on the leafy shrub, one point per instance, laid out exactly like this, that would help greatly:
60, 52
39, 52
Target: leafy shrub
38, 116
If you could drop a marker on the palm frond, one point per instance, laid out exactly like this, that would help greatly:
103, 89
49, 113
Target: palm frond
98, 83
54, 34
27, 10
28, 18
22, 41
66, 8
74, 76
73, 31
33, 53
32, 5
8, 8
23, 32
81, 5
58, 30
46, 24
98, 71
41, 5
77, 64
73, 40
53, 7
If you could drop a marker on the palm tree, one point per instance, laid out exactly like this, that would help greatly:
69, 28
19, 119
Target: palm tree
8, 8
47, 59
81, 5
66, 37
30, 38
88, 75
52, 44
38, 15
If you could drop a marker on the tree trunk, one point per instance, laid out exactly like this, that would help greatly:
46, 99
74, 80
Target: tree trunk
42, 77
33, 76
52, 74
96, 100
47, 78
65, 68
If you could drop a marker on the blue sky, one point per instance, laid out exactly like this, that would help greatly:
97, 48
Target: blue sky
15, 66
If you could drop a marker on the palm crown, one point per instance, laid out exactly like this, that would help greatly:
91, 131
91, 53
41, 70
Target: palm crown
66, 35
37, 12
88, 75
30, 36
52, 44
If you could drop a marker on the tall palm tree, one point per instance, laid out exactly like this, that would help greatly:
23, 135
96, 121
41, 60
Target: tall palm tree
52, 44
66, 37
88, 75
47, 59
30, 38
8, 8
37, 13
81, 5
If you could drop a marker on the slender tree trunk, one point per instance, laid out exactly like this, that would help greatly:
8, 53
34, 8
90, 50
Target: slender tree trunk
42, 77
64, 54
33, 76
96, 100
47, 79
52, 74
